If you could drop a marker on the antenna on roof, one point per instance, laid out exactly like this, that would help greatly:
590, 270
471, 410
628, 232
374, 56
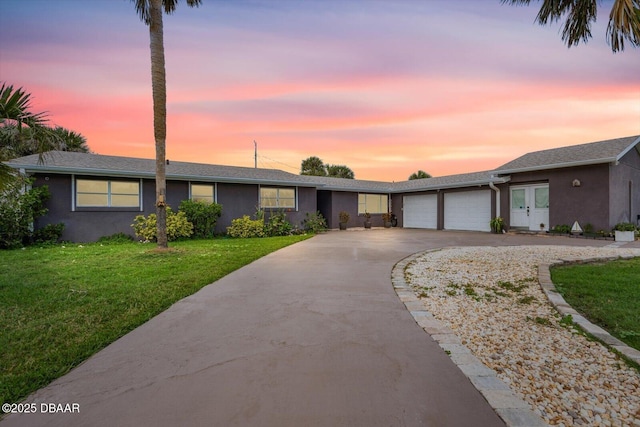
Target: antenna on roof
255, 155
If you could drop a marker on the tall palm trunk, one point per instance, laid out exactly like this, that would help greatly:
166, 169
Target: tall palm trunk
159, 86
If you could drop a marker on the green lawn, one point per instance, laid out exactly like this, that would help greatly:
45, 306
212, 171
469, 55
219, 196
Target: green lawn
607, 294
59, 305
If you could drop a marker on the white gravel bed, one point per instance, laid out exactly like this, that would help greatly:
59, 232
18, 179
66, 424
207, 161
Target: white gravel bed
491, 298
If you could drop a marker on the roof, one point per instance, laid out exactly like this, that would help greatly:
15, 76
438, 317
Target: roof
450, 181
98, 164
608, 151
102, 165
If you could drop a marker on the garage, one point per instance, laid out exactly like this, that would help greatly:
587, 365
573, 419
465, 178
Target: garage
420, 211
467, 210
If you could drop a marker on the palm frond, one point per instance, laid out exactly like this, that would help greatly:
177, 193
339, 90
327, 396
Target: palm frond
624, 23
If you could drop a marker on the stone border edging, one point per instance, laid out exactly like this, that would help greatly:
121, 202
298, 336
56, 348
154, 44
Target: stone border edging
514, 411
554, 297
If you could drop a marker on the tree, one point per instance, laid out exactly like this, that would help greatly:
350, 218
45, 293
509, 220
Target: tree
419, 175
339, 171
15, 117
313, 166
70, 140
624, 20
150, 12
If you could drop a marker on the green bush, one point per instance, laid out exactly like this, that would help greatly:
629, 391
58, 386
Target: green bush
278, 225
314, 223
202, 215
18, 210
625, 226
246, 227
561, 229
177, 226
50, 233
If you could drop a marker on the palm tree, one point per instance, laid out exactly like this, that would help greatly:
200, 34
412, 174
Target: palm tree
70, 140
340, 171
19, 123
313, 166
150, 12
419, 175
624, 20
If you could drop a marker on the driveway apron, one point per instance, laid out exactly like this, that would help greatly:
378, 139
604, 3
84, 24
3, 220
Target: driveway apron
311, 335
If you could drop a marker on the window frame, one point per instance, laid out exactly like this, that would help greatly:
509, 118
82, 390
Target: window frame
76, 206
384, 204
277, 198
214, 188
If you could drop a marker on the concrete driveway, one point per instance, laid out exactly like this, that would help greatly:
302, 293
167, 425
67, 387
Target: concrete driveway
311, 335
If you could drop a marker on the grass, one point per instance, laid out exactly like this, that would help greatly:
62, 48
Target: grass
61, 304
608, 294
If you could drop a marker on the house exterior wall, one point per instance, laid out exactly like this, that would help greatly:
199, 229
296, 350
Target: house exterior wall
87, 225
624, 198
236, 200
340, 201
90, 224
588, 203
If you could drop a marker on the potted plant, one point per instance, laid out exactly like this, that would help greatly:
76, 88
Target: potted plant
343, 216
542, 226
386, 219
367, 219
497, 224
625, 232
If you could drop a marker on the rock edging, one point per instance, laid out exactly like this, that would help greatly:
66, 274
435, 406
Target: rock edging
556, 299
514, 411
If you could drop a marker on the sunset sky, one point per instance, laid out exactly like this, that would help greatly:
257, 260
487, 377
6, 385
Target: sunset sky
384, 87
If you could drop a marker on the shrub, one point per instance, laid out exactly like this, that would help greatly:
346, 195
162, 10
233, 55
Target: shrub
246, 227
314, 223
18, 210
50, 233
278, 225
561, 229
625, 226
202, 215
497, 224
177, 226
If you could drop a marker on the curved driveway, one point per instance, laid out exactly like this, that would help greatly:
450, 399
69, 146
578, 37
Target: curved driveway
311, 335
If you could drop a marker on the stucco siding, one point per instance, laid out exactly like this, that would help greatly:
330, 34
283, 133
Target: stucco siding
587, 203
624, 197
236, 200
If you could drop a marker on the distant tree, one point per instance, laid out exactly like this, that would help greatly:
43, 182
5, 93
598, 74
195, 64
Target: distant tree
313, 166
624, 20
419, 175
339, 171
70, 140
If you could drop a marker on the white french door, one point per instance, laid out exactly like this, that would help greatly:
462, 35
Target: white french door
530, 207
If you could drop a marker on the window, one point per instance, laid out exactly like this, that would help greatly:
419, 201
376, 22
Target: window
107, 193
203, 192
542, 198
517, 199
272, 197
373, 203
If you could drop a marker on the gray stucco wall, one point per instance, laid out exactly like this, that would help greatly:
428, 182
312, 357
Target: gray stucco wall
624, 198
588, 203
89, 224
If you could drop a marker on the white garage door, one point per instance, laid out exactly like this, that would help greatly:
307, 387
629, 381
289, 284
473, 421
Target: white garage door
420, 211
467, 210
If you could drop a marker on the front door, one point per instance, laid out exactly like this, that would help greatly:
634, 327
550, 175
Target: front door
530, 207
